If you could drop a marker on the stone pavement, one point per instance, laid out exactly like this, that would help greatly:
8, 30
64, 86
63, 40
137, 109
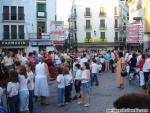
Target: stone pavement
102, 97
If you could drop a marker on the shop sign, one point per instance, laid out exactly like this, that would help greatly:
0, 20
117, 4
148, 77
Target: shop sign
14, 43
42, 43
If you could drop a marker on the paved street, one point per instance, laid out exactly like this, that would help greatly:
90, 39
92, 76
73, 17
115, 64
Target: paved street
102, 97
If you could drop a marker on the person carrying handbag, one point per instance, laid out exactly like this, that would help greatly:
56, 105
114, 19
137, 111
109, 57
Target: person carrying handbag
119, 67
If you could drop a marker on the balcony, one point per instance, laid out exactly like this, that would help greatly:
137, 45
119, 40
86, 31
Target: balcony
41, 14
102, 27
89, 27
116, 14
88, 15
102, 14
14, 36
74, 16
14, 18
116, 27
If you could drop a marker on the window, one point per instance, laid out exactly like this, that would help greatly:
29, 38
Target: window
116, 36
102, 35
13, 32
21, 31
6, 12
88, 24
102, 23
75, 12
87, 12
115, 10
75, 24
102, 10
41, 28
88, 35
6, 31
41, 7
20, 13
116, 23
13, 13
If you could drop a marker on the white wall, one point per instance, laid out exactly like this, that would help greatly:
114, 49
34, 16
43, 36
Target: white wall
95, 5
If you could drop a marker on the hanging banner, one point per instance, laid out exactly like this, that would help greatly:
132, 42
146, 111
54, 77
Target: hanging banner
135, 33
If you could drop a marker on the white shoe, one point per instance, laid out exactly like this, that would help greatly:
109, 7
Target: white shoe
86, 105
79, 102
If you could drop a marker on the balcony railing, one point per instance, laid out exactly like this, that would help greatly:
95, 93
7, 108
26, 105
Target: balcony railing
117, 26
103, 27
16, 17
41, 14
74, 16
89, 27
7, 36
88, 15
102, 14
116, 14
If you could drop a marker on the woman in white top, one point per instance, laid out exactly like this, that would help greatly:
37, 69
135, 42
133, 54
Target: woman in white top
23, 90
12, 92
85, 85
41, 88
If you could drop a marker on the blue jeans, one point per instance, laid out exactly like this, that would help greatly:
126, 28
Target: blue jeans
31, 96
13, 104
94, 78
61, 94
24, 100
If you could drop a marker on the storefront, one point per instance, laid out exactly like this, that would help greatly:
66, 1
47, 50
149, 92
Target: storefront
39, 44
14, 45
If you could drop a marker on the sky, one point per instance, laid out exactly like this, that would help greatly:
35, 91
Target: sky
64, 10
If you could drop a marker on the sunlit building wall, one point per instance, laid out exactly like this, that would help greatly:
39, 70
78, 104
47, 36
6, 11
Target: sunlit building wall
139, 11
98, 23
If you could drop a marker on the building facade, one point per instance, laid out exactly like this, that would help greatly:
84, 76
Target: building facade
98, 24
139, 12
25, 23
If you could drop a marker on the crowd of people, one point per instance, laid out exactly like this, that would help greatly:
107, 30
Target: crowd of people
26, 78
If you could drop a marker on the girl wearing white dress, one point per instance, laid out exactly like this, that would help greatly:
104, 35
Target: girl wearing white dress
41, 81
23, 90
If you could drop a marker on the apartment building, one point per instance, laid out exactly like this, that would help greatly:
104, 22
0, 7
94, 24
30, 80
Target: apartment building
25, 24
98, 24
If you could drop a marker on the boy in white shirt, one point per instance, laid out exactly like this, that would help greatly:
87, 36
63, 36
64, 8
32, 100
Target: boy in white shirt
61, 87
68, 84
94, 70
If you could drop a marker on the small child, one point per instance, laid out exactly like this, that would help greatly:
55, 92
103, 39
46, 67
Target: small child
148, 86
102, 61
100, 67
61, 87
128, 70
12, 91
30, 85
77, 82
68, 84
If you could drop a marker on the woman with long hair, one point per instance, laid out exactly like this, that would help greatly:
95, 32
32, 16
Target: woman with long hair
119, 67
